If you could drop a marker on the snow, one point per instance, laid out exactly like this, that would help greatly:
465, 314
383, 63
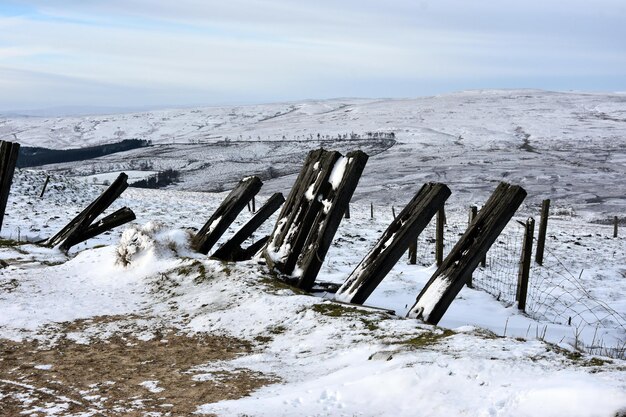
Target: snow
339, 169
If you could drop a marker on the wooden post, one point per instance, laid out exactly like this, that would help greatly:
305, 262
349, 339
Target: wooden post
347, 213
441, 216
472, 215
393, 212
231, 250
113, 220
413, 253
615, 222
225, 214
543, 227
253, 204
371, 210
393, 243
298, 214
437, 295
525, 261
9, 152
334, 202
45, 184
79, 224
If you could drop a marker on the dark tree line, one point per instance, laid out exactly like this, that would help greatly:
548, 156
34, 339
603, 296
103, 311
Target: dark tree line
35, 156
158, 180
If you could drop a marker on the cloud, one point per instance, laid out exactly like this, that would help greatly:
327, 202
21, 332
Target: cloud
277, 49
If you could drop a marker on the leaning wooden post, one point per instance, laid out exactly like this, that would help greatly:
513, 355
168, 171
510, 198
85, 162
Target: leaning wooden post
231, 250
225, 214
79, 224
113, 220
441, 218
393, 212
8, 158
525, 261
472, 215
394, 242
45, 184
615, 221
439, 292
543, 227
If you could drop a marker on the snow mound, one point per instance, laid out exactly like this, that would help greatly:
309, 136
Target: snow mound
141, 245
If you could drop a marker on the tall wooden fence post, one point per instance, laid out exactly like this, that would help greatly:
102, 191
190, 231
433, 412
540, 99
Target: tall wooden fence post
543, 227
472, 215
441, 216
371, 210
615, 221
8, 158
347, 213
525, 261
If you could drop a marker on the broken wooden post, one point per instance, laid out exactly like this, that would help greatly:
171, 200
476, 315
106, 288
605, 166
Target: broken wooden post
76, 230
615, 222
441, 218
543, 227
231, 250
437, 295
113, 220
45, 184
225, 214
334, 199
8, 158
525, 261
393, 243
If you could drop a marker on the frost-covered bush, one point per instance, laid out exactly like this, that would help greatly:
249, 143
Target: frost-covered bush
152, 240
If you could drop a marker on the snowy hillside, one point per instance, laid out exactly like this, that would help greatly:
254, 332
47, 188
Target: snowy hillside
171, 332
570, 147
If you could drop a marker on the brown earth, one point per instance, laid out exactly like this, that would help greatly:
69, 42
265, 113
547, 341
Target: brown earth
104, 376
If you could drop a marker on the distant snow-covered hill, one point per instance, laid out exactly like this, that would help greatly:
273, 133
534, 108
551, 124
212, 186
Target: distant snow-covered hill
570, 147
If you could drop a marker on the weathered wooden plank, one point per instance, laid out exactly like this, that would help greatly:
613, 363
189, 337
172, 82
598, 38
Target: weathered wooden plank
81, 222
229, 250
113, 220
8, 158
334, 200
403, 231
437, 295
299, 211
225, 214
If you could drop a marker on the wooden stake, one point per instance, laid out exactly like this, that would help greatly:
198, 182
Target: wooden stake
615, 222
525, 261
413, 253
451, 276
371, 210
441, 218
347, 213
45, 184
9, 152
393, 243
393, 212
543, 227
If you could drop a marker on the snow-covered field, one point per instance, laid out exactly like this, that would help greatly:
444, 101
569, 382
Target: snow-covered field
135, 323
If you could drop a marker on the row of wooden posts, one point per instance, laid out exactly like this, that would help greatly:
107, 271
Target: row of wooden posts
309, 219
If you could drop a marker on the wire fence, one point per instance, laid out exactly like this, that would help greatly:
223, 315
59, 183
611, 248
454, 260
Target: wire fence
556, 294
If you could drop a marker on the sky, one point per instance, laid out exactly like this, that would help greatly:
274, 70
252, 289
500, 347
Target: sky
151, 53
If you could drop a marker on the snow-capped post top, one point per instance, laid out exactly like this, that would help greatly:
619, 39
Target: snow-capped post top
437, 295
226, 213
